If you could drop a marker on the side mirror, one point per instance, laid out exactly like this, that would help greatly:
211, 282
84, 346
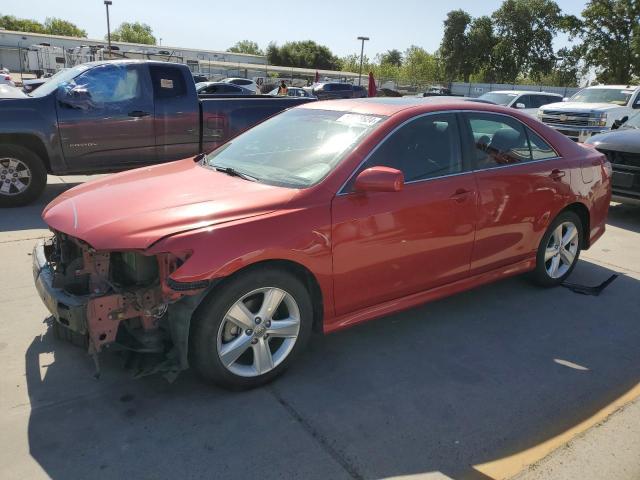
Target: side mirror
75, 96
520, 106
619, 122
379, 179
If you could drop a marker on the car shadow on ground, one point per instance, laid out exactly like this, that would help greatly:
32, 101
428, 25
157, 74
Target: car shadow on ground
28, 217
440, 388
625, 216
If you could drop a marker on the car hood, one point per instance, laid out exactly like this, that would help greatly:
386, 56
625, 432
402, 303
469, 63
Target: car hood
623, 140
581, 107
134, 209
7, 91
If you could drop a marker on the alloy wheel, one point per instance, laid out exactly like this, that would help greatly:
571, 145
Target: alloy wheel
561, 250
15, 176
258, 332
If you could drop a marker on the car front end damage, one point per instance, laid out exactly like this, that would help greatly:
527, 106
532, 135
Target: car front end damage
120, 299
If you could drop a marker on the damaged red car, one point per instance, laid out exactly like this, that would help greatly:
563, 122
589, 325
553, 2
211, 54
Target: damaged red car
322, 217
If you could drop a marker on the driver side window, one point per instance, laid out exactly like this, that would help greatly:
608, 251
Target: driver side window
111, 84
427, 147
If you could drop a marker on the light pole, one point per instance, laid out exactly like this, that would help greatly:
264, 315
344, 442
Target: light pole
107, 3
361, 57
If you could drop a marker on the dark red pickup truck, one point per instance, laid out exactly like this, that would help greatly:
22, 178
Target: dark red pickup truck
109, 116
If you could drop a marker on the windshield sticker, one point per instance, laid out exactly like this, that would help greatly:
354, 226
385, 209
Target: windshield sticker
355, 119
165, 83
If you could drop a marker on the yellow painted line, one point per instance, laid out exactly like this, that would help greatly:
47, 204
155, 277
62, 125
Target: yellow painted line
510, 466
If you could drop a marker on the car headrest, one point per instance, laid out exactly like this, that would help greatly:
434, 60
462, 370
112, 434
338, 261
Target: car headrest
506, 139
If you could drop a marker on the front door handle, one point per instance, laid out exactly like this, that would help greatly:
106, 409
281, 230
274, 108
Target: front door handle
139, 114
460, 195
557, 174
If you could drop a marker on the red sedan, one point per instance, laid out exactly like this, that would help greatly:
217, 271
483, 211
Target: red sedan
322, 217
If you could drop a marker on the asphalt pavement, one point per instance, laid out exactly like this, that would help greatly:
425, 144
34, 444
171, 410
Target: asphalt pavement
480, 385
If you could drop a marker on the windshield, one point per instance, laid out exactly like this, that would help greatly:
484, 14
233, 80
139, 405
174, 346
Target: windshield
603, 95
295, 149
498, 98
58, 79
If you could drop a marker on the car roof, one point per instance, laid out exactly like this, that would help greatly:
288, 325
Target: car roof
526, 92
615, 87
389, 106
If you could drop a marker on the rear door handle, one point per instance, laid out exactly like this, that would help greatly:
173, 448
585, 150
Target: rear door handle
557, 174
460, 195
139, 113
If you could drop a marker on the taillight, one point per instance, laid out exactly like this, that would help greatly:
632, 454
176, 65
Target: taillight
7, 77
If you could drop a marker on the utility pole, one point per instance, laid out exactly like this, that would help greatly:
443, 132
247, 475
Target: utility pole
361, 57
107, 3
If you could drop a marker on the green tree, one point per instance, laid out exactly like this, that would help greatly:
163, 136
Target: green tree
391, 57
351, 63
454, 48
246, 46
305, 54
9, 22
420, 67
135, 32
525, 30
610, 31
57, 26
481, 42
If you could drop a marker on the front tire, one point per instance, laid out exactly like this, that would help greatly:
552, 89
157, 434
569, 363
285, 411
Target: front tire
250, 330
559, 250
23, 176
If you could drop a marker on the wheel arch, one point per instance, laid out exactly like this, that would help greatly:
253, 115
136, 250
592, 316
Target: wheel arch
300, 271
581, 210
29, 141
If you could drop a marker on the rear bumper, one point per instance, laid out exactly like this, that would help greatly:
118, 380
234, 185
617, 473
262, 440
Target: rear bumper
69, 311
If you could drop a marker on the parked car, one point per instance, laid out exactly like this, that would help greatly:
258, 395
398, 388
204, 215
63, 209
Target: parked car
244, 83
293, 92
436, 91
622, 148
110, 116
220, 88
5, 79
324, 216
334, 90
360, 91
527, 101
591, 111
199, 78
30, 85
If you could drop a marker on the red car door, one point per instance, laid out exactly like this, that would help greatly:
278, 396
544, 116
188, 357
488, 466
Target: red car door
522, 184
390, 244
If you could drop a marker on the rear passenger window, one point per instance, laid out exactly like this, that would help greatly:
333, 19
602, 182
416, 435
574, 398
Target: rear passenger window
547, 99
540, 150
501, 140
428, 147
167, 82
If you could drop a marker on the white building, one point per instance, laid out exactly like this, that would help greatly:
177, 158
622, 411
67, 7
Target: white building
32, 52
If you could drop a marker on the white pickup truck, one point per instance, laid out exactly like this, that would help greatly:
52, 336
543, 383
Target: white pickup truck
591, 111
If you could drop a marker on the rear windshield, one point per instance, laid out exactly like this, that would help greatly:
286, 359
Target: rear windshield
295, 149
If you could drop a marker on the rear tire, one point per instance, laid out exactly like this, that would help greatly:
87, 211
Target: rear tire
23, 176
559, 250
239, 340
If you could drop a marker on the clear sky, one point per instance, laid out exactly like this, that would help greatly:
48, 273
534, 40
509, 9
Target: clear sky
217, 25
